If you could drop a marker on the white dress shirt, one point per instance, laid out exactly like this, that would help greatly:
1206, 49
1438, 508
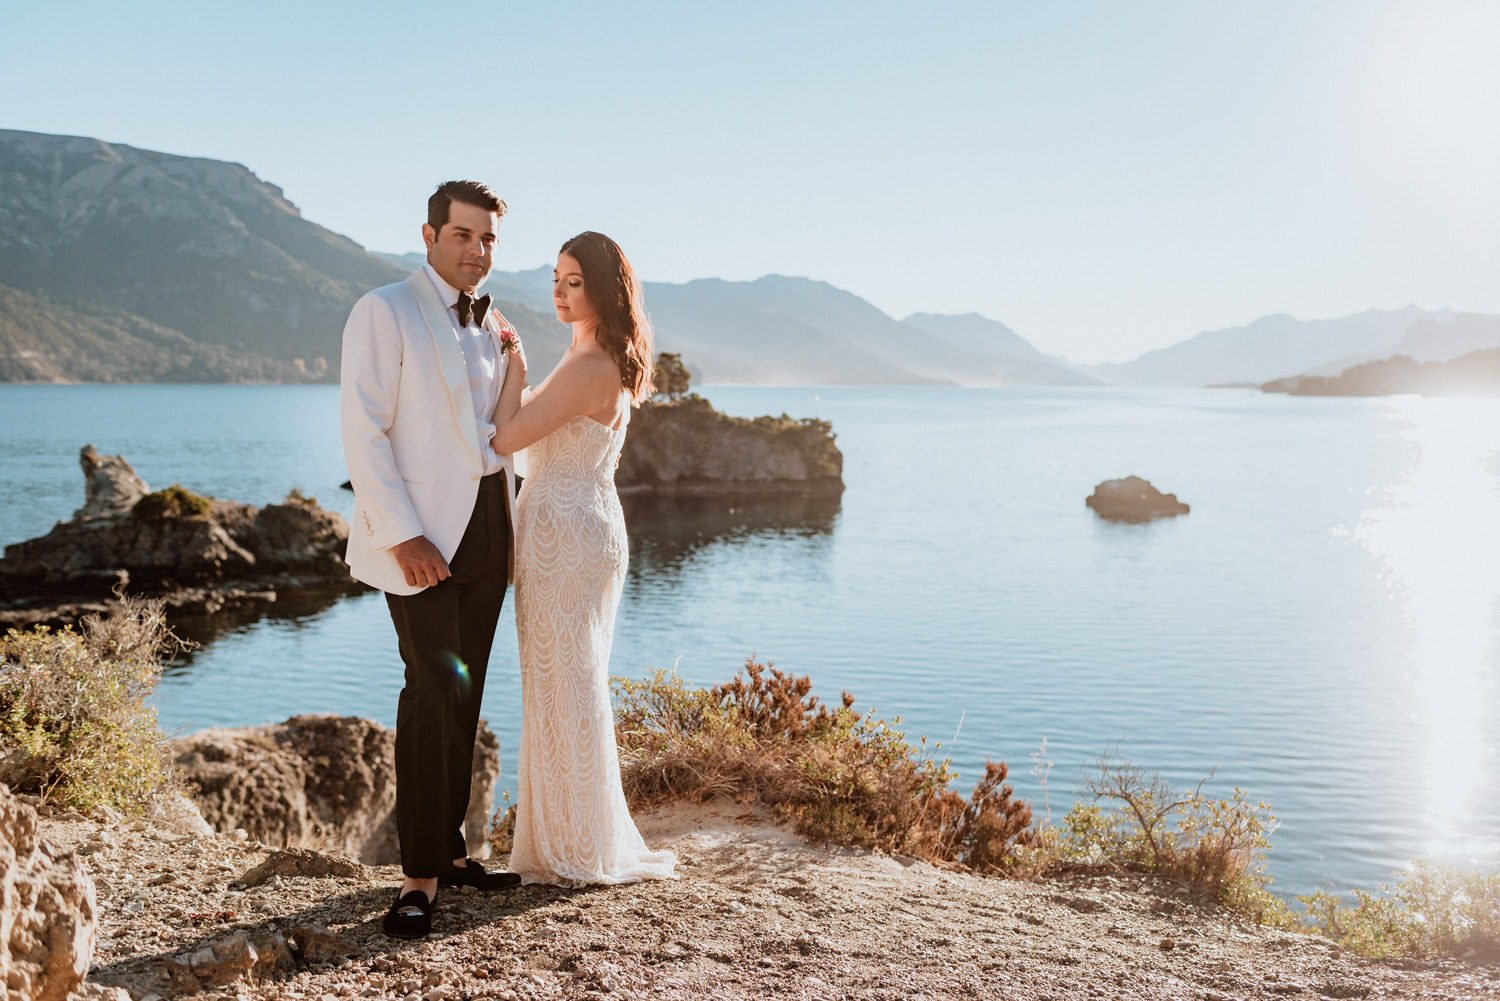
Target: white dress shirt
481, 351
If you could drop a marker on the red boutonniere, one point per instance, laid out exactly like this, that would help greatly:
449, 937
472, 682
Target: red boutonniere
510, 340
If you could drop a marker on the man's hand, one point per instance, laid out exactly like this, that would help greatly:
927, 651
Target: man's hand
420, 560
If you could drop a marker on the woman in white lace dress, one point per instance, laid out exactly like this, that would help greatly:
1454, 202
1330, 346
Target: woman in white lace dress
572, 823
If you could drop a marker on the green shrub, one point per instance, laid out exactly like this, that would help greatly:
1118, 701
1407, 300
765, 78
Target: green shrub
1433, 910
175, 501
74, 726
838, 775
1216, 847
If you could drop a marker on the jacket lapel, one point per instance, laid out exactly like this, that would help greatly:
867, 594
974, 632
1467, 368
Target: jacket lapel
450, 356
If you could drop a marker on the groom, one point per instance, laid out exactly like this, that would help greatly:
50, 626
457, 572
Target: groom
421, 371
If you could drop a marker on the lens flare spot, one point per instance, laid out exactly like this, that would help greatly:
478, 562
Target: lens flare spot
463, 680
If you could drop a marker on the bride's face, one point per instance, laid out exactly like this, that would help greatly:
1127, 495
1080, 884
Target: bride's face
568, 296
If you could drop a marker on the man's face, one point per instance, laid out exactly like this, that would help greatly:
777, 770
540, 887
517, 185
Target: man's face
460, 252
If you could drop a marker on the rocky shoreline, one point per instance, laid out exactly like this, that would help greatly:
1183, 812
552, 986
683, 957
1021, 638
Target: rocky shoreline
756, 913
200, 555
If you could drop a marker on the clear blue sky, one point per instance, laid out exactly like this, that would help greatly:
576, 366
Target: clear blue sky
1105, 177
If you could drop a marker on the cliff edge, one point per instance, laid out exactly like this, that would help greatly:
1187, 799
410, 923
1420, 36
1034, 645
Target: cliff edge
755, 913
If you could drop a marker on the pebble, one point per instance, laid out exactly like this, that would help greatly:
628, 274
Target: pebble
735, 907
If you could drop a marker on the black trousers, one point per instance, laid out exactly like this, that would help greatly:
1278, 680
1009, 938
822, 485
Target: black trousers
445, 634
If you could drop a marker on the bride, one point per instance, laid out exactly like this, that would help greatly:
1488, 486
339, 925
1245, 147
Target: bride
572, 823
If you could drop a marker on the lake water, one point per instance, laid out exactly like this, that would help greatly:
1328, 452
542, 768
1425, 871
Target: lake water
1322, 630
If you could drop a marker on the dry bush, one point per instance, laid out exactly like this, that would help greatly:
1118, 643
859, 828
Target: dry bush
1433, 910
839, 775
74, 726
1217, 847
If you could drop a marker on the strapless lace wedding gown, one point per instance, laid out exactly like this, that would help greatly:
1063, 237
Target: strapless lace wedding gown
572, 824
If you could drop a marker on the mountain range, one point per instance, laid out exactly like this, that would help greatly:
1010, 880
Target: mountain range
123, 264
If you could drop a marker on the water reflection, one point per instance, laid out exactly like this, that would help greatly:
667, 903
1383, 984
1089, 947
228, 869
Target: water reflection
665, 532
1439, 542
299, 610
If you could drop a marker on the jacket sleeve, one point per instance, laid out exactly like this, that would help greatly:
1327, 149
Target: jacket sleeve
369, 379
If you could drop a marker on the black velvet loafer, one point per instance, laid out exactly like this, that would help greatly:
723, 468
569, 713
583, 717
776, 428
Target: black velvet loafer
477, 876
410, 916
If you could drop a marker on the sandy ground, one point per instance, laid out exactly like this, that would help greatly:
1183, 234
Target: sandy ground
757, 913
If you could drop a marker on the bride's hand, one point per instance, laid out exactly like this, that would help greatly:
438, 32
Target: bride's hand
510, 343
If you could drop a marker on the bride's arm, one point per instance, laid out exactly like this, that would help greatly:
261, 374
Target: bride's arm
578, 386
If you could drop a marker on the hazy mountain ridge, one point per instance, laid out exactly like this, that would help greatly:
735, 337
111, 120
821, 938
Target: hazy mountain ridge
1278, 346
784, 330
196, 246
118, 263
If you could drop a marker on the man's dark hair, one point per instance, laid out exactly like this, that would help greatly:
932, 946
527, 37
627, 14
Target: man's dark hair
468, 192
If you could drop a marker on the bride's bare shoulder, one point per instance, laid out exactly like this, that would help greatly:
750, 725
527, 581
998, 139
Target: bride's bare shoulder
589, 366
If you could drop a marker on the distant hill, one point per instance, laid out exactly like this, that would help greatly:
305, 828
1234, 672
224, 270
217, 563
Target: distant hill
1018, 362
1474, 374
1270, 347
780, 330
42, 341
1274, 346
1442, 339
142, 241
118, 263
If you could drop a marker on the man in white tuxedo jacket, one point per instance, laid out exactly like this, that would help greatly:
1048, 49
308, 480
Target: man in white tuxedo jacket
423, 363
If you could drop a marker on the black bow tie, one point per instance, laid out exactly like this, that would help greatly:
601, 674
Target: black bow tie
468, 307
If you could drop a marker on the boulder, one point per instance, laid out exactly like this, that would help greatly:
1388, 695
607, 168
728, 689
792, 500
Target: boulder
300, 862
110, 485
1132, 499
687, 447
48, 914
318, 781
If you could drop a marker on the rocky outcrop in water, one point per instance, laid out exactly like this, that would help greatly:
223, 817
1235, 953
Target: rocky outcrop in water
687, 447
318, 781
1132, 499
48, 917
199, 553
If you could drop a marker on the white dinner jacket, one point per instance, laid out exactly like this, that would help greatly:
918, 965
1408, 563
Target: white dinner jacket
410, 438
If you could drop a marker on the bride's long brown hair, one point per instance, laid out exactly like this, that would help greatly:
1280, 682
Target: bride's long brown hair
610, 285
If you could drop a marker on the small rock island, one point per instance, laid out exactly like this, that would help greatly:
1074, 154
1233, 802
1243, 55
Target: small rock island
1133, 500
679, 445
198, 553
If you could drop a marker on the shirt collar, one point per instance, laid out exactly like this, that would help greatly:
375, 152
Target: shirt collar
448, 292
